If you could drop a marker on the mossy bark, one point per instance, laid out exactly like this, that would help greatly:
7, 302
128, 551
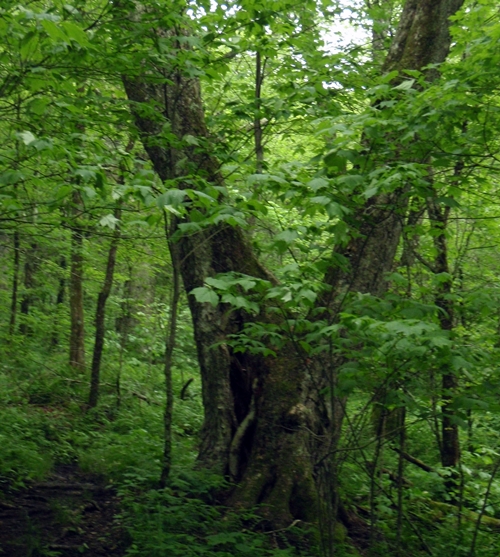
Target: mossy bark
286, 453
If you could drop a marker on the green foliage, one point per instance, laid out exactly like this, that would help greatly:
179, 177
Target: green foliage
337, 138
183, 520
24, 454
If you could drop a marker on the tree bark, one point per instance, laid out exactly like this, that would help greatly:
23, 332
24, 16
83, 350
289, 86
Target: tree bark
30, 266
100, 315
423, 35
257, 122
77, 329
285, 447
15, 284
169, 352
59, 300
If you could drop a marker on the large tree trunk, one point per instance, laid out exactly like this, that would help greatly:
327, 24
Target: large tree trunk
266, 421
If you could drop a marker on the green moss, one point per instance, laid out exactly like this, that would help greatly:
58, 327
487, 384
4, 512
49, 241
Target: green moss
339, 533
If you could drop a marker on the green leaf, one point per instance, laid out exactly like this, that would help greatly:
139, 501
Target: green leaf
90, 193
335, 210
110, 221
317, 184
240, 302
76, 33
405, 85
333, 160
10, 177
288, 236
308, 294
449, 202
218, 283
39, 106
370, 192
351, 180
246, 284
172, 198
320, 200
191, 140
387, 78
27, 137
205, 295
284, 239
53, 31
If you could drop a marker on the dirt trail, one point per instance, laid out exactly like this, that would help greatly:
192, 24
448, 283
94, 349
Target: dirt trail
69, 514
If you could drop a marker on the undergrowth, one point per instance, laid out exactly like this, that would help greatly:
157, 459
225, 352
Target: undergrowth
185, 521
44, 422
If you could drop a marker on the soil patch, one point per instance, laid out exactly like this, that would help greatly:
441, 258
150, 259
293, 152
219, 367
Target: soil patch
69, 514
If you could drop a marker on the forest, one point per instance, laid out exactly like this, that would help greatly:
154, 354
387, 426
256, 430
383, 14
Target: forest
249, 293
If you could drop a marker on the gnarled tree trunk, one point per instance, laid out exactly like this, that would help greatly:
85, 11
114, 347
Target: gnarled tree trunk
267, 422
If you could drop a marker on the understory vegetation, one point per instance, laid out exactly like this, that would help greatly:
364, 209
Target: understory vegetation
250, 275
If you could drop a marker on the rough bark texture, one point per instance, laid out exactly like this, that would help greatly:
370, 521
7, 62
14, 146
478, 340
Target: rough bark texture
100, 315
280, 460
423, 35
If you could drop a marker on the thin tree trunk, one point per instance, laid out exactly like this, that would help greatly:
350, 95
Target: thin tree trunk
399, 524
30, 266
59, 300
100, 315
15, 285
169, 351
258, 132
450, 443
380, 14
77, 332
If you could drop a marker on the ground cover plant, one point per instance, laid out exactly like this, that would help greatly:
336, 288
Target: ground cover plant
249, 281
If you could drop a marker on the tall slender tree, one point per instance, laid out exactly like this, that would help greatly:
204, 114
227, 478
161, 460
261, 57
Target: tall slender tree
77, 315
100, 314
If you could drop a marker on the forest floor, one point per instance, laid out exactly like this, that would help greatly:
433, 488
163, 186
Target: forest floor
70, 513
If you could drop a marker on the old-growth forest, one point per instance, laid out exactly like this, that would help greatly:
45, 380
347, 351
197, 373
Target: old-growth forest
249, 288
